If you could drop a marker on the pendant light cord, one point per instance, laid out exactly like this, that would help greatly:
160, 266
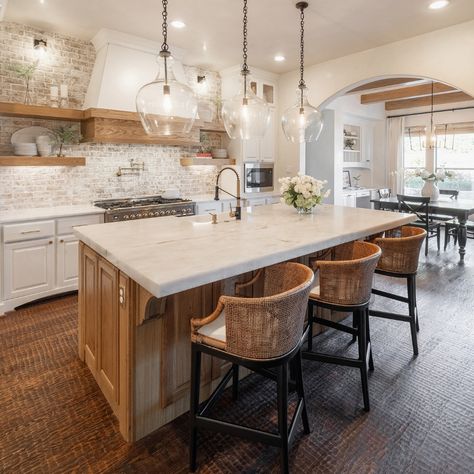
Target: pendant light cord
165, 50
245, 69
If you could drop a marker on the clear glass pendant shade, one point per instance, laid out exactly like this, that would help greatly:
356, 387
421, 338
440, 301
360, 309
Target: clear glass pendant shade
246, 116
166, 107
302, 122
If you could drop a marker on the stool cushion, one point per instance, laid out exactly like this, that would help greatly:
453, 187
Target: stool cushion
315, 292
215, 329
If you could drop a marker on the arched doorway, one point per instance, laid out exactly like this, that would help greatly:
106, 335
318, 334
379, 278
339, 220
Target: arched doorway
373, 129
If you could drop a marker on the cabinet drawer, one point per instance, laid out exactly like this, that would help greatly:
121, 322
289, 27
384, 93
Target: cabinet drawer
209, 207
28, 231
66, 224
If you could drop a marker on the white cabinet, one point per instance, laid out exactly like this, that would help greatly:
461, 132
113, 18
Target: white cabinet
28, 267
349, 200
40, 259
273, 200
67, 251
255, 202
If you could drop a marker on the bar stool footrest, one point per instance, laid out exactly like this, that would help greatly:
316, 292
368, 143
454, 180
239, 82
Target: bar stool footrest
386, 315
392, 296
334, 325
330, 359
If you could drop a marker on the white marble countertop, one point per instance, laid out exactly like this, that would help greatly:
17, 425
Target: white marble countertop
167, 255
225, 197
19, 215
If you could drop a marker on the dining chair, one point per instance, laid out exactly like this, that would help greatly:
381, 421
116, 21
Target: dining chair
384, 193
263, 334
419, 206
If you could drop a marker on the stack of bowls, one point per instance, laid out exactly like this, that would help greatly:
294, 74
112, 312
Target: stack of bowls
43, 143
25, 149
219, 153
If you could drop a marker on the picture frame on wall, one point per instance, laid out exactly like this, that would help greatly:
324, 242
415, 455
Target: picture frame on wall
346, 179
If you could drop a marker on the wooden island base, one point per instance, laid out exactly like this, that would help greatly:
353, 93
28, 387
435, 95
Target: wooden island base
138, 347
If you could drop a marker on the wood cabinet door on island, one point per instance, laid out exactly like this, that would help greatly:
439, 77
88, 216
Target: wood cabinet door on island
108, 332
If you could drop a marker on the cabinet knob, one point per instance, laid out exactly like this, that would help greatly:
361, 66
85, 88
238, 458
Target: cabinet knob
62, 241
50, 242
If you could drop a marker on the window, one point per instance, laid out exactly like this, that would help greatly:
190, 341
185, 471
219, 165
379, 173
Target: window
455, 153
414, 157
460, 160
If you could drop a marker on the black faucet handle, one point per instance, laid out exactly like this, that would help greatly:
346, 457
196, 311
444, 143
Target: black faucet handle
216, 193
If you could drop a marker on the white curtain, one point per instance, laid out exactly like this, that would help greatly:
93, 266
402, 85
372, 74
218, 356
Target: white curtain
395, 132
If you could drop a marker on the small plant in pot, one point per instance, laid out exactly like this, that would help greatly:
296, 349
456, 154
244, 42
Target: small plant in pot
66, 136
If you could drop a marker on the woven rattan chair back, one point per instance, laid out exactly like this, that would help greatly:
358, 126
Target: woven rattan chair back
270, 326
401, 249
347, 280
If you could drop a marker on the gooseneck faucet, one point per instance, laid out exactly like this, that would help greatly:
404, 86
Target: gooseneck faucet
238, 208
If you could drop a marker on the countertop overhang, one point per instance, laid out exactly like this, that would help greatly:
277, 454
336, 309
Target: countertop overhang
167, 255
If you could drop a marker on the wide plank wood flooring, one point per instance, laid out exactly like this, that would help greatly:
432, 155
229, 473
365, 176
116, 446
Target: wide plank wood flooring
54, 419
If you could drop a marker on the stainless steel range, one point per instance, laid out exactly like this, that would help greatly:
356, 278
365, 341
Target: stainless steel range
141, 208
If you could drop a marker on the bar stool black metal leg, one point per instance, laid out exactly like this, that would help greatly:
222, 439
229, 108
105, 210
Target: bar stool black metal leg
362, 337
300, 390
354, 325
282, 383
412, 312
195, 384
235, 381
371, 359
416, 305
310, 325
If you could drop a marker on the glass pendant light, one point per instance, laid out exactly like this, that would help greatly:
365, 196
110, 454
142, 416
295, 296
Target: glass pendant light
430, 140
245, 116
302, 122
165, 106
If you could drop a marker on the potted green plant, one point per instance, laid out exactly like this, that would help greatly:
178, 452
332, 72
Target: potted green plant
66, 136
25, 72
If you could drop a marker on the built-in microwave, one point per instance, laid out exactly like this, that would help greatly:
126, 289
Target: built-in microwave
258, 177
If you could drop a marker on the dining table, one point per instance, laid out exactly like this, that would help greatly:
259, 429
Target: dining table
460, 209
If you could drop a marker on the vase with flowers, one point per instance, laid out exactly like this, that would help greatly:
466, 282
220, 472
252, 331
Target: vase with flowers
430, 188
303, 192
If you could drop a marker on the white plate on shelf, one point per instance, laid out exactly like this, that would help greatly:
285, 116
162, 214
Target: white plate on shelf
28, 134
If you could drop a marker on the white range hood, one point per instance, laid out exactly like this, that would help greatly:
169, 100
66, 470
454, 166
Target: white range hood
123, 64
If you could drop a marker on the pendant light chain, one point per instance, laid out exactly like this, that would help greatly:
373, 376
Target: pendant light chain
245, 69
302, 84
164, 26
165, 50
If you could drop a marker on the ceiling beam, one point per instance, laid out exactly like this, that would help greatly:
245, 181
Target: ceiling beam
406, 93
383, 83
424, 101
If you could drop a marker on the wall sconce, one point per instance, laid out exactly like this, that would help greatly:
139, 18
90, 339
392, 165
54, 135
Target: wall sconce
202, 85
40, 47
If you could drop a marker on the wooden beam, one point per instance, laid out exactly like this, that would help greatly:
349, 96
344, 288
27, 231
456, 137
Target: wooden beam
424, 101
383, 83
406, 93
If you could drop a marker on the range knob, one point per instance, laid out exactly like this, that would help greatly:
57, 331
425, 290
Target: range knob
126, 217
162, 213
173, 211
139, 215
157, 213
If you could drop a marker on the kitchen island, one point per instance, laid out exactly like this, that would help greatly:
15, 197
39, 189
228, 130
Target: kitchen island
141, 282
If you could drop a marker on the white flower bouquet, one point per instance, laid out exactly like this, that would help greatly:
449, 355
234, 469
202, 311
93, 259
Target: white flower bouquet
303, 192
440, 175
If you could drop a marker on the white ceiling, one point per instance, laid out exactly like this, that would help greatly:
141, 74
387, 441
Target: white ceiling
334, 28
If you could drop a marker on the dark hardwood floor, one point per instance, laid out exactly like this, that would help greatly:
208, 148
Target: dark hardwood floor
54, 419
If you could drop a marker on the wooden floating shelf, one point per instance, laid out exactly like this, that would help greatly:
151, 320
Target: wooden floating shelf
11, 109
207, 161
42, 161
109, 126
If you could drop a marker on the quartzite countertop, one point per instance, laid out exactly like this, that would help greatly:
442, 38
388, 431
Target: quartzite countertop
167, 255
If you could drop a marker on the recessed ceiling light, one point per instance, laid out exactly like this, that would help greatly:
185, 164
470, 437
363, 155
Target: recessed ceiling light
178, 24
438, 4
279, 58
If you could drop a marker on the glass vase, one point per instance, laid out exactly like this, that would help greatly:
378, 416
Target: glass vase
304, 210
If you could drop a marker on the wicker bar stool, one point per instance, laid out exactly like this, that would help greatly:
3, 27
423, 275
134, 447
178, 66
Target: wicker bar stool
400, 253
345, 285
261, 334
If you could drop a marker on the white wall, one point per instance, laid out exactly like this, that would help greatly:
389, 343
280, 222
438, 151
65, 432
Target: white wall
444, 55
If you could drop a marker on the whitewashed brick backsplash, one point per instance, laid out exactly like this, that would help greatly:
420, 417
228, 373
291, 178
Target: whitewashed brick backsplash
70, 61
